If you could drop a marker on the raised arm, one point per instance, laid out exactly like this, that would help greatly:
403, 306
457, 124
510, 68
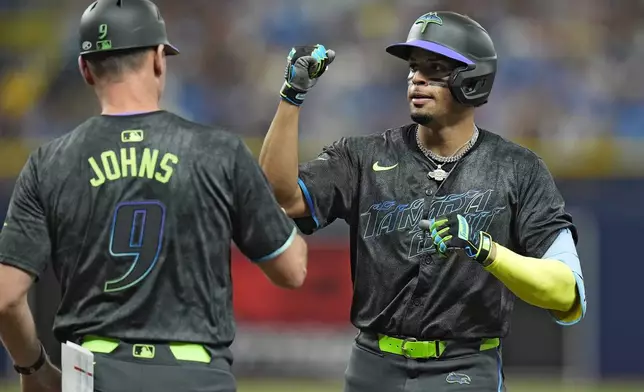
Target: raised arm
279, 155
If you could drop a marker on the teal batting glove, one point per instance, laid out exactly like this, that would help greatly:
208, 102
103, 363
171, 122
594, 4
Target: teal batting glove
304, 66
453, 231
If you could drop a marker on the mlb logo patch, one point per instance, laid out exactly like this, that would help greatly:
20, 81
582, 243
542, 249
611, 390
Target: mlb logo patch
145, 351
132, 136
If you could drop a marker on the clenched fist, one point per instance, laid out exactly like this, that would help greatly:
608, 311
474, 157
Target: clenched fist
305, 64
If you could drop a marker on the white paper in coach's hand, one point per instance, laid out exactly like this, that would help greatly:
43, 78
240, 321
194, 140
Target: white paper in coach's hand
77, 368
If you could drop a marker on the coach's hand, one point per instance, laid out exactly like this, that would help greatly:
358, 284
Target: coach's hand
305, 64
453, 231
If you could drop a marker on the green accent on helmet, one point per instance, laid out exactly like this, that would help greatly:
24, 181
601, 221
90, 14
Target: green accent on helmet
102, 31
111, 25
104, 45
431, 17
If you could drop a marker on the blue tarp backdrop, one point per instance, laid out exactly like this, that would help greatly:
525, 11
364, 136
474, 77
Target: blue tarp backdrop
618, 208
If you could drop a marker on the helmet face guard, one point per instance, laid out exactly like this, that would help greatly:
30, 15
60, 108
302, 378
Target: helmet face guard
112, 25
461, 39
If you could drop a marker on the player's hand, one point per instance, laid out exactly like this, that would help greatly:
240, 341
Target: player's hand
304, 65
453, 231
46, 379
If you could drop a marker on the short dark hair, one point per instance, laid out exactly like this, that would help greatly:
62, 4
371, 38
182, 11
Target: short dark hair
111, 66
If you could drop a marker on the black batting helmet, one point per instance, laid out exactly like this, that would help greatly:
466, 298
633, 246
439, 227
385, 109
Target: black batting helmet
462, 39
111, 25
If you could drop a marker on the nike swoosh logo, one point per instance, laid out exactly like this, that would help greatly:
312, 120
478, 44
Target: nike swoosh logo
377, 167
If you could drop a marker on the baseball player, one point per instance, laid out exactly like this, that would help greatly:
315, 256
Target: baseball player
449, 222
137, 209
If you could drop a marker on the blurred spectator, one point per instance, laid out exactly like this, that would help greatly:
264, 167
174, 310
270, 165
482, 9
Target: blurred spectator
569, 67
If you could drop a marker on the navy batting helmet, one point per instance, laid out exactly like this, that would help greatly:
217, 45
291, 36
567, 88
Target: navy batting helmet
460, 38
111, 25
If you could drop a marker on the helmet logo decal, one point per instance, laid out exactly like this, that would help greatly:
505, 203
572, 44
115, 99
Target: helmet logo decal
102, 43
428, 18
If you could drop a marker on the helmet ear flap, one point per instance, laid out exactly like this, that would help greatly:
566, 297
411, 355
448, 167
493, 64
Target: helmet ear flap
471, 85
456, 84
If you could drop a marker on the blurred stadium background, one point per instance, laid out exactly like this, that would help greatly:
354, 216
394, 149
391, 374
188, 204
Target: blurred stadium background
570, 86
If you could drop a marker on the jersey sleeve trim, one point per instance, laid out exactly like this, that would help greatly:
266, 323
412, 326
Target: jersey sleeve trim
13, 262
564, 250
279, 250
309, 201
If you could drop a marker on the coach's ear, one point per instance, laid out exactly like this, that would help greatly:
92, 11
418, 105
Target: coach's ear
85, 72
159, 61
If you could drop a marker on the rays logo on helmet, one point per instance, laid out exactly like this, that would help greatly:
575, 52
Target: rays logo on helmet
426, 19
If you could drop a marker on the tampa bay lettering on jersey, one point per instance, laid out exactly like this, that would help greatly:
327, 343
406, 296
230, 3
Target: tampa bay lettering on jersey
132, 162
389, 216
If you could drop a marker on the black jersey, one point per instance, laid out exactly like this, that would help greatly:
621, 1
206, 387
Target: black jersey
379, 185
137, 214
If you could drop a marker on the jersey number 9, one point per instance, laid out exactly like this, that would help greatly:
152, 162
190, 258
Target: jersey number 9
137, 237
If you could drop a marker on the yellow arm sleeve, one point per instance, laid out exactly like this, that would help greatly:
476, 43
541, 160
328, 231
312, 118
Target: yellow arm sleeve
548, 284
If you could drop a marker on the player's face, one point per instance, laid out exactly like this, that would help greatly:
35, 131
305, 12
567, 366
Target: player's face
427, 92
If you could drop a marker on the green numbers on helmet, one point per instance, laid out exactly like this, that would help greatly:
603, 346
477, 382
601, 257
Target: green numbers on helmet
102, 31
102, 43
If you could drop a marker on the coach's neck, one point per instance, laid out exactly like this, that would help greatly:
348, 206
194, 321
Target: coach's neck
447, 136
131, 94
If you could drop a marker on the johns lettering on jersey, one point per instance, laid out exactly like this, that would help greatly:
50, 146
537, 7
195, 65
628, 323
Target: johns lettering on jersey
136, 215
379, 185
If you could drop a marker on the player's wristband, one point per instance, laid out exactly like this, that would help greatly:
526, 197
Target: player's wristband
35, 367
485, 247
292, 96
